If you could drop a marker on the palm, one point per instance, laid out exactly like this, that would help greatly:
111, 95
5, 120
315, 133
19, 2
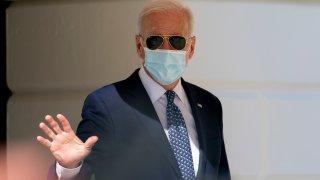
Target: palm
65, 146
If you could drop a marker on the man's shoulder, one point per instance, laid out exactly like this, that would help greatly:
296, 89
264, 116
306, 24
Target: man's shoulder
108, 89
100, 94
113, 87
200, 92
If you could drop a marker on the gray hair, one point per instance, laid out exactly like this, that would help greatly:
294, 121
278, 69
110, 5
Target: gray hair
163, 6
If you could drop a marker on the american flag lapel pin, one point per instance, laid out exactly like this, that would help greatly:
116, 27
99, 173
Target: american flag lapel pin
199, 105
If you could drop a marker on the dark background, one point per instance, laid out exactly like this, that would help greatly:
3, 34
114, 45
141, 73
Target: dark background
5, 92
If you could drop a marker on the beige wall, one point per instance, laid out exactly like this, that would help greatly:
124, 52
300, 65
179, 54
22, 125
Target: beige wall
260, 58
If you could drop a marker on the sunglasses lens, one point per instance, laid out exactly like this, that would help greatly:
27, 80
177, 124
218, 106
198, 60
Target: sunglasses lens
154, 42
177, 42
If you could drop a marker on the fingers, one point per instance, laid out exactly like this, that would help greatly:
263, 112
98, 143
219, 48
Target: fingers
53, 124
53, 128
65, 123
44, 141
91, 141
47, 130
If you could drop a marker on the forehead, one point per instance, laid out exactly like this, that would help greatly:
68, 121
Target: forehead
165, 23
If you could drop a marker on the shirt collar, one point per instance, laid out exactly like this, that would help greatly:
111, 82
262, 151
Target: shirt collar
155, 91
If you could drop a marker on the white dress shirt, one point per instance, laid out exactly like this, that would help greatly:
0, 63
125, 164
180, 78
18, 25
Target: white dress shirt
159, 100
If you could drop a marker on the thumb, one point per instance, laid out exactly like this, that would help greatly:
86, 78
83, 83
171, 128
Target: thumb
91, 141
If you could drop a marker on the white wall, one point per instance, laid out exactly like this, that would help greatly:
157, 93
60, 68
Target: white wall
260, 58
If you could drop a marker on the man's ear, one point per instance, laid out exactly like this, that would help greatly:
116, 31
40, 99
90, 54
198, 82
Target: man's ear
192, 47
139, 47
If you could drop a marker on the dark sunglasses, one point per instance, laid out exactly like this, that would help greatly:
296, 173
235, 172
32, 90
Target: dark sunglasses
155, 41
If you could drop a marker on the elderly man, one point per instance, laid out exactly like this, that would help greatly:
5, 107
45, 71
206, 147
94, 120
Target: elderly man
152, 125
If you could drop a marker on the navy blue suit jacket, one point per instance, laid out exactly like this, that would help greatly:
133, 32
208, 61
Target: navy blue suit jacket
132, 144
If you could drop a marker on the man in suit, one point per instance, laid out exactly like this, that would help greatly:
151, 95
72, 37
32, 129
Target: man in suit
152, 125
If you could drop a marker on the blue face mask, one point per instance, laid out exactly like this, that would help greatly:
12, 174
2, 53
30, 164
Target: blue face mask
165, 66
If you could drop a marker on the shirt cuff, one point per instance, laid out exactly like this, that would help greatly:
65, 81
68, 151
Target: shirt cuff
65, 173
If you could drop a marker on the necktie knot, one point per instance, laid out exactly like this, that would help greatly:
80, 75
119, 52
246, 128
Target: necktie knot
170, 96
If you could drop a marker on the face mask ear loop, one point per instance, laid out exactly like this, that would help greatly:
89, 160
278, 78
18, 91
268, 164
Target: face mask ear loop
187, 52
189, 41
141, 39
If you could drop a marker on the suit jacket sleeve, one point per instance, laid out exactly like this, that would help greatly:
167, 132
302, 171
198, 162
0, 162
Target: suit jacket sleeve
95, 122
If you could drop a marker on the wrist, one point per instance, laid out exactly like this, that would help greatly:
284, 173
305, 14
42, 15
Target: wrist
65, 173
70, 165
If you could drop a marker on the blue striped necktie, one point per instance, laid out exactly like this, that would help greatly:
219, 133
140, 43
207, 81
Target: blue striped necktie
178, 138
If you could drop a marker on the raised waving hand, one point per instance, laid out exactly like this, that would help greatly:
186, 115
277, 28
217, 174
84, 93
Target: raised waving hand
63, 143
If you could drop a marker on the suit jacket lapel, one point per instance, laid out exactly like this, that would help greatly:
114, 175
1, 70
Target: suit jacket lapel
133, 92
205, 135
196, 107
